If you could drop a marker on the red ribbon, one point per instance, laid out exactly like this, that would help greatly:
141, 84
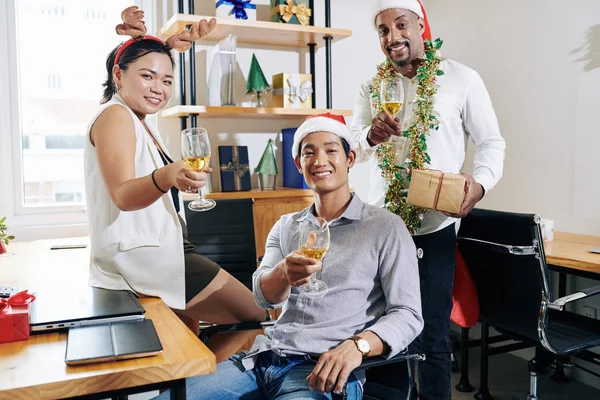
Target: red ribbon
18, 299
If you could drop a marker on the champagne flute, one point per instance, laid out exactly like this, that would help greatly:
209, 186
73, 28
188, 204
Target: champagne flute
195, 150
314, 243
392, 96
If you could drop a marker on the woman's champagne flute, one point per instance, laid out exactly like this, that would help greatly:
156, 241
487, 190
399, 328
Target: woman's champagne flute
195, 150
392, 96
314, 243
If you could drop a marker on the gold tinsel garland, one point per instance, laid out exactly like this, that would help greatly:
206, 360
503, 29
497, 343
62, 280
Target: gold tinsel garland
397, 173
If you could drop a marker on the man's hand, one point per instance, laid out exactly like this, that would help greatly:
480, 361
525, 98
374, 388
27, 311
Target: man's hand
298, 269
474, 194
334, 368
382, 128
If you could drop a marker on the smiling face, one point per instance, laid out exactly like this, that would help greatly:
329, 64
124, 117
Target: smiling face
147, 84
400, 35
323, 162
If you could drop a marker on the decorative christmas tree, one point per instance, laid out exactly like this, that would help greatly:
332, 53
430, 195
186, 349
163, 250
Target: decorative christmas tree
267, 167
257, 83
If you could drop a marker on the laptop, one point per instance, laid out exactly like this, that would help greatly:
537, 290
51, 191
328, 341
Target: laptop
60, 310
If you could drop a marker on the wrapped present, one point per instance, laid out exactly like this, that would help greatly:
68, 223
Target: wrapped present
14, 317
235, 170
291, 177
238, 9
290, 12
292, 90
435, 190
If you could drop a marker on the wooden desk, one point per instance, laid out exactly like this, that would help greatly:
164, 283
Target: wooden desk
569, 250
35, 369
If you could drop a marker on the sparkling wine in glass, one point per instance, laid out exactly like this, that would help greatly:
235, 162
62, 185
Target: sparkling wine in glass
314, 243
195, 150
392, 96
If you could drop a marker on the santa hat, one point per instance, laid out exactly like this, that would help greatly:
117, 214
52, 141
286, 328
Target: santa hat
412, 5
326, 122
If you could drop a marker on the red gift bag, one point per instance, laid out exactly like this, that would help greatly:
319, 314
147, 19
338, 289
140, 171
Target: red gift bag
14, 317
465, 305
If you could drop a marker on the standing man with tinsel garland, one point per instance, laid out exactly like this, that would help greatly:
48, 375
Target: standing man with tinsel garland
445, 102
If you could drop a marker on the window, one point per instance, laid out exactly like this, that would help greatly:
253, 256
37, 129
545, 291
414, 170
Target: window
51, 84
60, 95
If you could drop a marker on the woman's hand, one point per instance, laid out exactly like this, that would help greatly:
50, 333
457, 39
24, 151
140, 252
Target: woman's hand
185, 179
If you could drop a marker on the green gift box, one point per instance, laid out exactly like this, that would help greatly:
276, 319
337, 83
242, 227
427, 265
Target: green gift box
290, 12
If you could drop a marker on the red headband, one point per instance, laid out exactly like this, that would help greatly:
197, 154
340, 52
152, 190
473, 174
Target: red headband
132, 41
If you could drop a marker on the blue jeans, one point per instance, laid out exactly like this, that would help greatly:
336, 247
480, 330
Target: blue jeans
271, 378
436, 270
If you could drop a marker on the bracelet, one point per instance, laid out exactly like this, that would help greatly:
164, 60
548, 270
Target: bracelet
156, 184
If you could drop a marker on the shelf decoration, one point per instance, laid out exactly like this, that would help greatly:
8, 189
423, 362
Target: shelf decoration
220, 87
267, 167
257, 83
238, 9
234, 168
290, 12
292, 90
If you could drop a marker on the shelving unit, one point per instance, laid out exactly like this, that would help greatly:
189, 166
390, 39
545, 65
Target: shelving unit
230, 111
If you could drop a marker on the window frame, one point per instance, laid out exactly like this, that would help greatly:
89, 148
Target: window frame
31, 222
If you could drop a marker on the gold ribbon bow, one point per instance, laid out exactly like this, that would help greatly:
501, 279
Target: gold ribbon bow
287, 11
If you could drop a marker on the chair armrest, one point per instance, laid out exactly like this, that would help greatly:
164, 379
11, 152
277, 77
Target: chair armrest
208, 332
380, 360
559, 304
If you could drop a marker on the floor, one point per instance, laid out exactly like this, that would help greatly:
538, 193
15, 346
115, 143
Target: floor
508, 380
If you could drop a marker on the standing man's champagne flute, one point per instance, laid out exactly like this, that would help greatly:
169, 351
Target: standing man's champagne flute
392, 96
195, 150
314, 243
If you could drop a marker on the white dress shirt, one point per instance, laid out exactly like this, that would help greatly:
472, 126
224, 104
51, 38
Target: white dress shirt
464, 108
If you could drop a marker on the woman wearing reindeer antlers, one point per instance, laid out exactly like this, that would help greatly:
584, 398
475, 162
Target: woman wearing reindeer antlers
136, 224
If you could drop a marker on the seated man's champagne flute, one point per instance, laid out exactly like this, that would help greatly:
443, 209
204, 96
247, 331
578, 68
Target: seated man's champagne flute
392, 95
195, 150
314, 243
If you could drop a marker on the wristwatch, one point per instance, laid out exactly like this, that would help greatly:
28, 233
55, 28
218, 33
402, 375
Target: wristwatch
362, 345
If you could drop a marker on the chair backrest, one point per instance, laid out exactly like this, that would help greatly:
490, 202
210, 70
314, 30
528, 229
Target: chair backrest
225, 234
505, 255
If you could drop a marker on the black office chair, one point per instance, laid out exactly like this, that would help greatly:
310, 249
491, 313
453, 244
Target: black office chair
225, 234
505, 255
382, 386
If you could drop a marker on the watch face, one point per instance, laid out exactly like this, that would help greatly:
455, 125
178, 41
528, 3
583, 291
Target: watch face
363, 346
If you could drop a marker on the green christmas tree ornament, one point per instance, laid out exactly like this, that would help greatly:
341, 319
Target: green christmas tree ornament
267, 167
257, 82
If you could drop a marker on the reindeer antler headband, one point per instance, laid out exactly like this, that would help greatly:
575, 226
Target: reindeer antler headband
134, 26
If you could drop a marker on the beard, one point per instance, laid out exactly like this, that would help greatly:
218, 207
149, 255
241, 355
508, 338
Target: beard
405, 61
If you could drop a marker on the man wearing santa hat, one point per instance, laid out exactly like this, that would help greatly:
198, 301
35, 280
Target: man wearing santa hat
372, 305
463, 108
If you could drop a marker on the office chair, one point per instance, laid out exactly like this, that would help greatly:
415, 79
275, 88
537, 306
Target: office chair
225, 234
505, 255
381, 387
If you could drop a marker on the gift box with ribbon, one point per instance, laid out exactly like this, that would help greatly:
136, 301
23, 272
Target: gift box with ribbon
292, 90
238, 9
14, 317
436, 190
234, 168
290, 12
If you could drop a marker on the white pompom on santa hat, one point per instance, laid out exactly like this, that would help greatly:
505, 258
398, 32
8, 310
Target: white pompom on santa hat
415, 6
326, 122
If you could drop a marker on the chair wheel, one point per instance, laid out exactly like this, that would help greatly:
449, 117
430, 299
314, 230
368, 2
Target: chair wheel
483, 395
464, 387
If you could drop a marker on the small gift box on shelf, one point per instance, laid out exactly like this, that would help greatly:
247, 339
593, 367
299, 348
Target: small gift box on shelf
238, 9
14, 317
290, 12
292, 90
435, 190
234, 168
291, 177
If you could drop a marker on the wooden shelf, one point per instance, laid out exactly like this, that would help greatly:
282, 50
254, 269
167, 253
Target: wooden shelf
262, 112
254, 194
258, 32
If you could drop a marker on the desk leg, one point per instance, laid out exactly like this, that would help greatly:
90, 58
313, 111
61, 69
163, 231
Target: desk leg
178, 390
562, 284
